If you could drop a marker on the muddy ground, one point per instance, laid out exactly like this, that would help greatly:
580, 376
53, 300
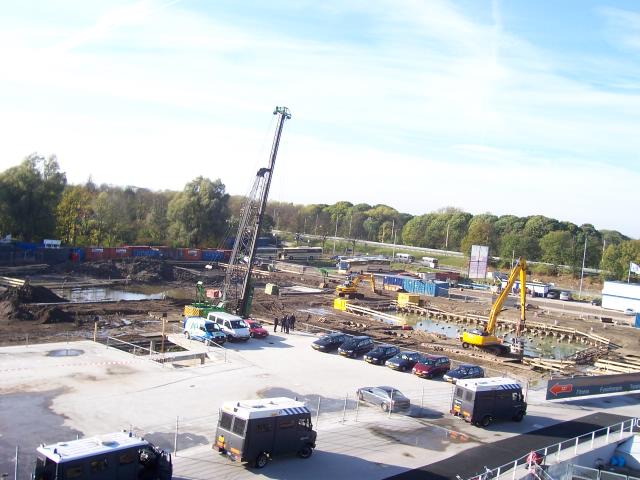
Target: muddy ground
35, 314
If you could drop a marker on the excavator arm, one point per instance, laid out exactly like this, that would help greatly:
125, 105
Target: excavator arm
487, 339
519, 271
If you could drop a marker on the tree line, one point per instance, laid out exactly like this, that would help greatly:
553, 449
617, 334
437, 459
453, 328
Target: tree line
36, 202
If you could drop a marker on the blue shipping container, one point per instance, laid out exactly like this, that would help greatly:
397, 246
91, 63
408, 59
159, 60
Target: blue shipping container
637, 320
145, 253
393, 280
213, 255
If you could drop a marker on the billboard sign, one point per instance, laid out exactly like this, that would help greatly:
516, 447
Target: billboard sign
561, 388
478, 261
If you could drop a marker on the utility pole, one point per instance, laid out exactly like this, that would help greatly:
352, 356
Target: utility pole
335, 235
315, 232
446, 240
584, 256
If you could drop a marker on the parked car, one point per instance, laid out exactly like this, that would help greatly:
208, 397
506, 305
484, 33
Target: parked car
381, 354
463, 371
388, 398
355, 346
431, 366
404, 361
256, 330
553, 294
329, 342
565, 296
629, 311
234, 326
198, 328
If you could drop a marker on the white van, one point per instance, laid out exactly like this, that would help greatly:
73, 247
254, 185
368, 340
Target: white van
234, 326
199, 328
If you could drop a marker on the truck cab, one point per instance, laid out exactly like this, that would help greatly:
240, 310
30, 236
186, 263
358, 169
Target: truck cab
480, 401
118, 455
255, 431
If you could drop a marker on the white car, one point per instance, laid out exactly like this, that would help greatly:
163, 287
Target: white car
629, 311
234, 326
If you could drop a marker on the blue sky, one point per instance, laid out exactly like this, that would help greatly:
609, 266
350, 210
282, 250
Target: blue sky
514, 107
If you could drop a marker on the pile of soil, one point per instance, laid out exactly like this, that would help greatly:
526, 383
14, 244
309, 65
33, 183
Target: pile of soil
30, 294
13, 304
143, 270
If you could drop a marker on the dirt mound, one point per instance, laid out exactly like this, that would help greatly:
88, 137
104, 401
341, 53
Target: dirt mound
149, 270
52, 315
30, 294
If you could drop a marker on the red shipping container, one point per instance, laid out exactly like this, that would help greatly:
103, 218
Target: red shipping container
194, 254
121, 252
94, 253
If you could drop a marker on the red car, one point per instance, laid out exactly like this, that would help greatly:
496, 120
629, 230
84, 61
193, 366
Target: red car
432, 365
256, 330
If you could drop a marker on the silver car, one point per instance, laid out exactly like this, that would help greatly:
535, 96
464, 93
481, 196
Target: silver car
387, 398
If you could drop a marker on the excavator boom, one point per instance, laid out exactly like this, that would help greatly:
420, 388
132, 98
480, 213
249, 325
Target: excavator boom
487, 338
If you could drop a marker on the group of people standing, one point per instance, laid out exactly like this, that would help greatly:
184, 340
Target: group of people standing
287, 322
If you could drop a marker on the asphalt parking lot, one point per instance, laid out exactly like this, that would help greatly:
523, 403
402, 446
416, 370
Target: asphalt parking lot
55, 392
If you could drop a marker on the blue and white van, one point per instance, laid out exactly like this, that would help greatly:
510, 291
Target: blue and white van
198, 328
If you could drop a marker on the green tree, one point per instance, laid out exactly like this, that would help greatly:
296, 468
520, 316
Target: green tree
617, 257
73, 216
29, 196
515, 245
481, 232
556, 247
198, 215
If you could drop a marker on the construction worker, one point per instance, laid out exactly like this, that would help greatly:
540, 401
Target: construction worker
292, 322
275, 324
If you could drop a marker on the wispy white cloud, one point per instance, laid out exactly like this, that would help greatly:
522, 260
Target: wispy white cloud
623, 27
156, 83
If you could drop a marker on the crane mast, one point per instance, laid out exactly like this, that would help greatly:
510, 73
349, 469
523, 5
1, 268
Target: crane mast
236, 293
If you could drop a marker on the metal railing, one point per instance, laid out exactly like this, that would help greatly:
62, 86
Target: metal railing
577, 472
564, 450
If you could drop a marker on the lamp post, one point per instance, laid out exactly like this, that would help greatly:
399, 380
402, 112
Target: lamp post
335, 234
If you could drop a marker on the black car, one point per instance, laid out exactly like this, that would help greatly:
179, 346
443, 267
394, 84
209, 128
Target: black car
404, 361
464, 371
330, 341
381, 354
356, 346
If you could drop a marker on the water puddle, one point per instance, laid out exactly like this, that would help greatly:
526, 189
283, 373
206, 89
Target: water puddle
65, 352
547, 347
103, 294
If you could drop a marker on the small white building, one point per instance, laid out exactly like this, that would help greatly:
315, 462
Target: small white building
620, 296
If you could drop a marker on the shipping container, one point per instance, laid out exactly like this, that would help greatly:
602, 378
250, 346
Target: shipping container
94, 253
393, 280
213, 255
121, 252
188, 254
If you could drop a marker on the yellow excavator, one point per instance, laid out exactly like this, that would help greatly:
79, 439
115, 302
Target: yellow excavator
349, 288
486, 339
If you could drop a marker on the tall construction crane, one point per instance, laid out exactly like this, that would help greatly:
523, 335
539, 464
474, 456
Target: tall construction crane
237, 292
486, 339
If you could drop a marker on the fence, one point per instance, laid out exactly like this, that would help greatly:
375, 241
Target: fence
565, 450
585, 473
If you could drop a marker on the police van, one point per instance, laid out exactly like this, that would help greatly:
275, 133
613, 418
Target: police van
480, 401
255, 431
112, 456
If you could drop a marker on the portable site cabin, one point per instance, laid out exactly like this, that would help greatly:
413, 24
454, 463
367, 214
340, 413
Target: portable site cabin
255, 431
480, 401
113, 456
